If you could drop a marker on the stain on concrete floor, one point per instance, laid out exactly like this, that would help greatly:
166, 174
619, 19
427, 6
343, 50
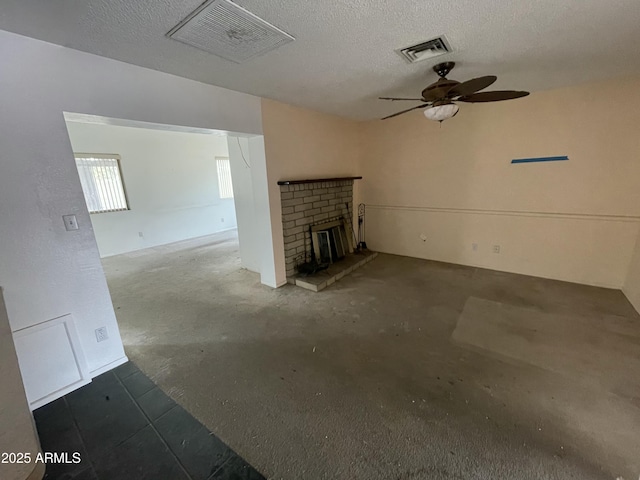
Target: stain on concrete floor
364, 380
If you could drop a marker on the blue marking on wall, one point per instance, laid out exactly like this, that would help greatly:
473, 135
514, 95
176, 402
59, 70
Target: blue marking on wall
540, 159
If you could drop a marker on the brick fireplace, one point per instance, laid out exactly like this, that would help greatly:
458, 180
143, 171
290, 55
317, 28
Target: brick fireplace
317, 218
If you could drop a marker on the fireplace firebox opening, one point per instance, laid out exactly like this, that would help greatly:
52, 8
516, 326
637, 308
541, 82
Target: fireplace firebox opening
330, 242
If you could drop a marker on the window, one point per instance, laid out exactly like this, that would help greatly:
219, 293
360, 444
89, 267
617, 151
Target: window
101, 182
224, 177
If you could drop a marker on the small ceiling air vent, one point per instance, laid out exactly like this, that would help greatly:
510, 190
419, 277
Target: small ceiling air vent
423, 51
229, 31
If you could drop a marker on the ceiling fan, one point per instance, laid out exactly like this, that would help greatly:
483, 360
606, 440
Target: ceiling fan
439, 98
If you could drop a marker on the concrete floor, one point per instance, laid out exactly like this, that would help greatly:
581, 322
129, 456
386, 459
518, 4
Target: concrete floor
406, 369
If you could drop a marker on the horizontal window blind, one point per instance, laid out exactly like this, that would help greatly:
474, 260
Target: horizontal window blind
224, 177
101, 181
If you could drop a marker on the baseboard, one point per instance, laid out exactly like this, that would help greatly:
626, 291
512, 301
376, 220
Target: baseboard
109, 366
515, 272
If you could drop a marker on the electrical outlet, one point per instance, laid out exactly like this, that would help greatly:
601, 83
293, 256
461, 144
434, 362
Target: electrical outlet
101, 334
140, 234
70, 222
496, 249
474, 247
222, 220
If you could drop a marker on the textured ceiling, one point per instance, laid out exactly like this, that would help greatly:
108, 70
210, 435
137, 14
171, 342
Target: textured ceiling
344, 54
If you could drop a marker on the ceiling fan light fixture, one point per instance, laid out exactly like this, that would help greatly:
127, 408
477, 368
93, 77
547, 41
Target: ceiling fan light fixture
439, 113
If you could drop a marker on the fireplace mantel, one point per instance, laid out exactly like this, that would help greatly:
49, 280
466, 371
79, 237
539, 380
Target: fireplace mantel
317, 180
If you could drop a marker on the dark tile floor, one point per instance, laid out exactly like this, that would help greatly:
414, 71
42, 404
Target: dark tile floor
125, 427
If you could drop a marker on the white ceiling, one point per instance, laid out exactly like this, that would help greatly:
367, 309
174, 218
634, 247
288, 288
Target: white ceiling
344, 54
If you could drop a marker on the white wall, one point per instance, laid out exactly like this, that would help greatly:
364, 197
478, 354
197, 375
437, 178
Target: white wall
17, 430
248, 234
46, 271
268, 216
258, 233
171, 182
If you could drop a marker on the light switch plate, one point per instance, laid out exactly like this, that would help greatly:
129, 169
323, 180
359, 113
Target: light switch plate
70, 222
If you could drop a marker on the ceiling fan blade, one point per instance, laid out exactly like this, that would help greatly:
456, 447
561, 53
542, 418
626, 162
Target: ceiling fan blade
495, 96
405, 111
397, 98
438, 90
435, 94
471, 86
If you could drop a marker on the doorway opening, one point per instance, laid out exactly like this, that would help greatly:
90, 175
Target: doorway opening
149, 185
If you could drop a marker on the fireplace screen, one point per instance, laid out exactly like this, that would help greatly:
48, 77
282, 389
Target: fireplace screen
330, 242
324, 247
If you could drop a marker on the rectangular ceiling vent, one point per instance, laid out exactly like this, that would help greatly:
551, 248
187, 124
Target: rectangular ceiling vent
229, 31
424, 51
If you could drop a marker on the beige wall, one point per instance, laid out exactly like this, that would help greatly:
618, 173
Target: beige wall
575, 220
632, 284
454, 184
303, 144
